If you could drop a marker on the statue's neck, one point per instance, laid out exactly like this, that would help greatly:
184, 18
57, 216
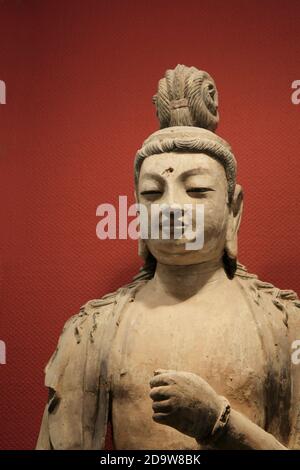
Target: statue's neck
183, 282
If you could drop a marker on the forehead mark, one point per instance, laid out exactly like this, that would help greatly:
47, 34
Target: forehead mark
167, 171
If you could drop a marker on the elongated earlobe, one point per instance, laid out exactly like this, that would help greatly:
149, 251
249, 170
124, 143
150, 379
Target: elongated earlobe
236, 209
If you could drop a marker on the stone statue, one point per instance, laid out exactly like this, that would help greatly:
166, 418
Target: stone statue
194, 353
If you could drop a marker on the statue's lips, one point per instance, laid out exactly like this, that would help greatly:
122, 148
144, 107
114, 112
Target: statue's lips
172, 227
170, 223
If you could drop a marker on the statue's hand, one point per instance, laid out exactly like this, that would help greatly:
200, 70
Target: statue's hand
184, 401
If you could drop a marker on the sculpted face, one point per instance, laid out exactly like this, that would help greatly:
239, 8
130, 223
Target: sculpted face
187, 178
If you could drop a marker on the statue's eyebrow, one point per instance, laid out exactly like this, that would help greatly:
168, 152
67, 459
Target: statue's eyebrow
195, 171
154, 176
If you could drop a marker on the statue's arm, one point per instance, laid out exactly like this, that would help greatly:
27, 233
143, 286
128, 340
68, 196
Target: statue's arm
75, 416
242, 434
43, 442
59, 356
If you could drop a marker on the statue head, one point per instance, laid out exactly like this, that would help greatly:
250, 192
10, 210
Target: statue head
185, 162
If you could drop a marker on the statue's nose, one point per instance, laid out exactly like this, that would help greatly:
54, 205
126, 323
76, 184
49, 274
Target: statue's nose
172, 214
170, 198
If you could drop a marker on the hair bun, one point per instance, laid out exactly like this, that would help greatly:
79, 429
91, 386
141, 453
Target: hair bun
187, 96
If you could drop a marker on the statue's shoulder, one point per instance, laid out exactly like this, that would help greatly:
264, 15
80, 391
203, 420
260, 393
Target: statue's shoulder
87, 326
260, 291
103, 307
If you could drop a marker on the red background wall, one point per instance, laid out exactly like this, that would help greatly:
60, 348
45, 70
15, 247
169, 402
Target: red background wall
80, 76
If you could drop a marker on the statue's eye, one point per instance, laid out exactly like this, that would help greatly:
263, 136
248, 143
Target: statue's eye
151, 192
197, 192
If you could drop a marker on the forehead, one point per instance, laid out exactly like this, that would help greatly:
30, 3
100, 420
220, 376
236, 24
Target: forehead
179, 164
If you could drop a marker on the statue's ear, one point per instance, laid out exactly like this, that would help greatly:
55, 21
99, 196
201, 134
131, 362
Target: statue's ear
235, 215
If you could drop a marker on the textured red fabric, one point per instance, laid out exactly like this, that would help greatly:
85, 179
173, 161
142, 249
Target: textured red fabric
80, 76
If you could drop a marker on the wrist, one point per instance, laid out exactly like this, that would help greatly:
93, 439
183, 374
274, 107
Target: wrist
220, 426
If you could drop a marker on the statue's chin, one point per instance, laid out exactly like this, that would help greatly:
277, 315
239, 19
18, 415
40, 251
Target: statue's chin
174, 252
170, 246
179, 261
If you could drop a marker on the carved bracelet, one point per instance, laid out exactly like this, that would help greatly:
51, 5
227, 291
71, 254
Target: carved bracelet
220, 424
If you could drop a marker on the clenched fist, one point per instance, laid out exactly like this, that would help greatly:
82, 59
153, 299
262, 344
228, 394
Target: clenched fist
185, 402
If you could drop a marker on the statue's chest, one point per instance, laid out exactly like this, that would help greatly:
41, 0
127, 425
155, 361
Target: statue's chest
216, 339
